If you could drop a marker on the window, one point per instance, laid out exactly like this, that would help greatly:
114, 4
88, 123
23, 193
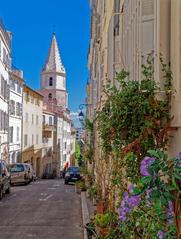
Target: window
37, 120
50, 96
12, 107
116, 17
51, 81
50, 120
18, 133
0, 49
37, 139
26, 117
18, 109
25, 140
32, 99
19, 88
32, 139
12, 84
4, 56
32, 119
11, 134
43, 119
65, 145
64, 157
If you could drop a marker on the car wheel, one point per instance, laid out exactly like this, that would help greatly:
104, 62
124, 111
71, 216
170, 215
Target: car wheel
1, 193
8, 190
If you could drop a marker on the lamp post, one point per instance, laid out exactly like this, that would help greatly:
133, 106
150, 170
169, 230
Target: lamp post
81, 114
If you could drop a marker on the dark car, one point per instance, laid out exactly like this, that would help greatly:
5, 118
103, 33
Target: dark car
72, 175
4, 179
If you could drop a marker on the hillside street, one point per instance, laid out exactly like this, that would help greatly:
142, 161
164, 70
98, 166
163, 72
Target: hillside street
41, 210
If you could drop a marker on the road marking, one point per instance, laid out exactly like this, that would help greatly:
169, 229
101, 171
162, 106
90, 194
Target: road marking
52, 188
43, 194
45, 199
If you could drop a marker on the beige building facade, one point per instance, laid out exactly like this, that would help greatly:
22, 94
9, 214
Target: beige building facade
123, 33
32, 129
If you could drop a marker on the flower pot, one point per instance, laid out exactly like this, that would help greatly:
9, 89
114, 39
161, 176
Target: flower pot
77, 189
102, 231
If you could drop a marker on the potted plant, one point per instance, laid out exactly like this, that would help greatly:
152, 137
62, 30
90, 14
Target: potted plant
103, 223
80, 186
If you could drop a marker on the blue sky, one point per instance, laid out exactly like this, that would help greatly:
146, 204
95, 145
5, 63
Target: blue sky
32, 23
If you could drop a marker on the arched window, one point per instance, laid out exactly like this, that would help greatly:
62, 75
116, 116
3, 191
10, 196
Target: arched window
51, 81
50, 96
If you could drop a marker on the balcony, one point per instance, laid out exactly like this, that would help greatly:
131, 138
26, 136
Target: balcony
48, 128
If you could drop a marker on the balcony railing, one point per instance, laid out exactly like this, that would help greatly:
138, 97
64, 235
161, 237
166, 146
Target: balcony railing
47, 127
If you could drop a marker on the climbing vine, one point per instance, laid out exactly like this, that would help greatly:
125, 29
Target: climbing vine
133, 123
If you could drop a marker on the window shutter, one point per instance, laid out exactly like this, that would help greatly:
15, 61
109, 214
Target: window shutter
147, 27
147, 7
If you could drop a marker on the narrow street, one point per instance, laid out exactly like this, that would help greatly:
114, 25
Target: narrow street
45, 209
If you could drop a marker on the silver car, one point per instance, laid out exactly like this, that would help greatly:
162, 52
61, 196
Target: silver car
20, 173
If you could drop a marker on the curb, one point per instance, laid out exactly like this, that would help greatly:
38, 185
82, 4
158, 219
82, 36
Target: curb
85, 213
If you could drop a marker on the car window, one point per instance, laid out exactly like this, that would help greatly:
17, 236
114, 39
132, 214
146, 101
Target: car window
74, 169
16, 168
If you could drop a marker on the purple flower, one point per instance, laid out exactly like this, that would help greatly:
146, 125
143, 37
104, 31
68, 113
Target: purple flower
144, 167
130, 188
179, 154
133, 201
160, 234
170, 213
128, 203
179, 165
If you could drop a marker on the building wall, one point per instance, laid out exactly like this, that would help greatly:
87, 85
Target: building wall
15, 117
32, 129
48, 153
5, 64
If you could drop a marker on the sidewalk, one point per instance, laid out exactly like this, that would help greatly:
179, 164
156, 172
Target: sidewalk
88, 210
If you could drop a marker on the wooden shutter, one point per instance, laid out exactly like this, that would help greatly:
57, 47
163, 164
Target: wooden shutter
147, 27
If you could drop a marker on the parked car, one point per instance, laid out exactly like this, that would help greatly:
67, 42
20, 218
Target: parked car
72, 175
4, 180
20, 173
32, 174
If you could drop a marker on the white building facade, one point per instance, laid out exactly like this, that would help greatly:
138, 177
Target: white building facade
48, 151
15, 116
32, 129
5, 64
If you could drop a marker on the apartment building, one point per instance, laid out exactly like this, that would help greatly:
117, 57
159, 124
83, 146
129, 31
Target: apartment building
5, 65
15, 115
32, 129
48, 152
123, 33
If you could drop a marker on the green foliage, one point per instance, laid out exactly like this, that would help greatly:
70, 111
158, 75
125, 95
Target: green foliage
133, 111
92, 192
135, 120
81, 184
157, 191
104, 220
77, 151
88, 125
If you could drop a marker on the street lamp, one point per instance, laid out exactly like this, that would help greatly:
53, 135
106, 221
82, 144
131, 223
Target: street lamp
81, 114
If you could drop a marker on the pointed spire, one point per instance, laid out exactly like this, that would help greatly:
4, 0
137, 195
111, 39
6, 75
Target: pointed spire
54, 62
